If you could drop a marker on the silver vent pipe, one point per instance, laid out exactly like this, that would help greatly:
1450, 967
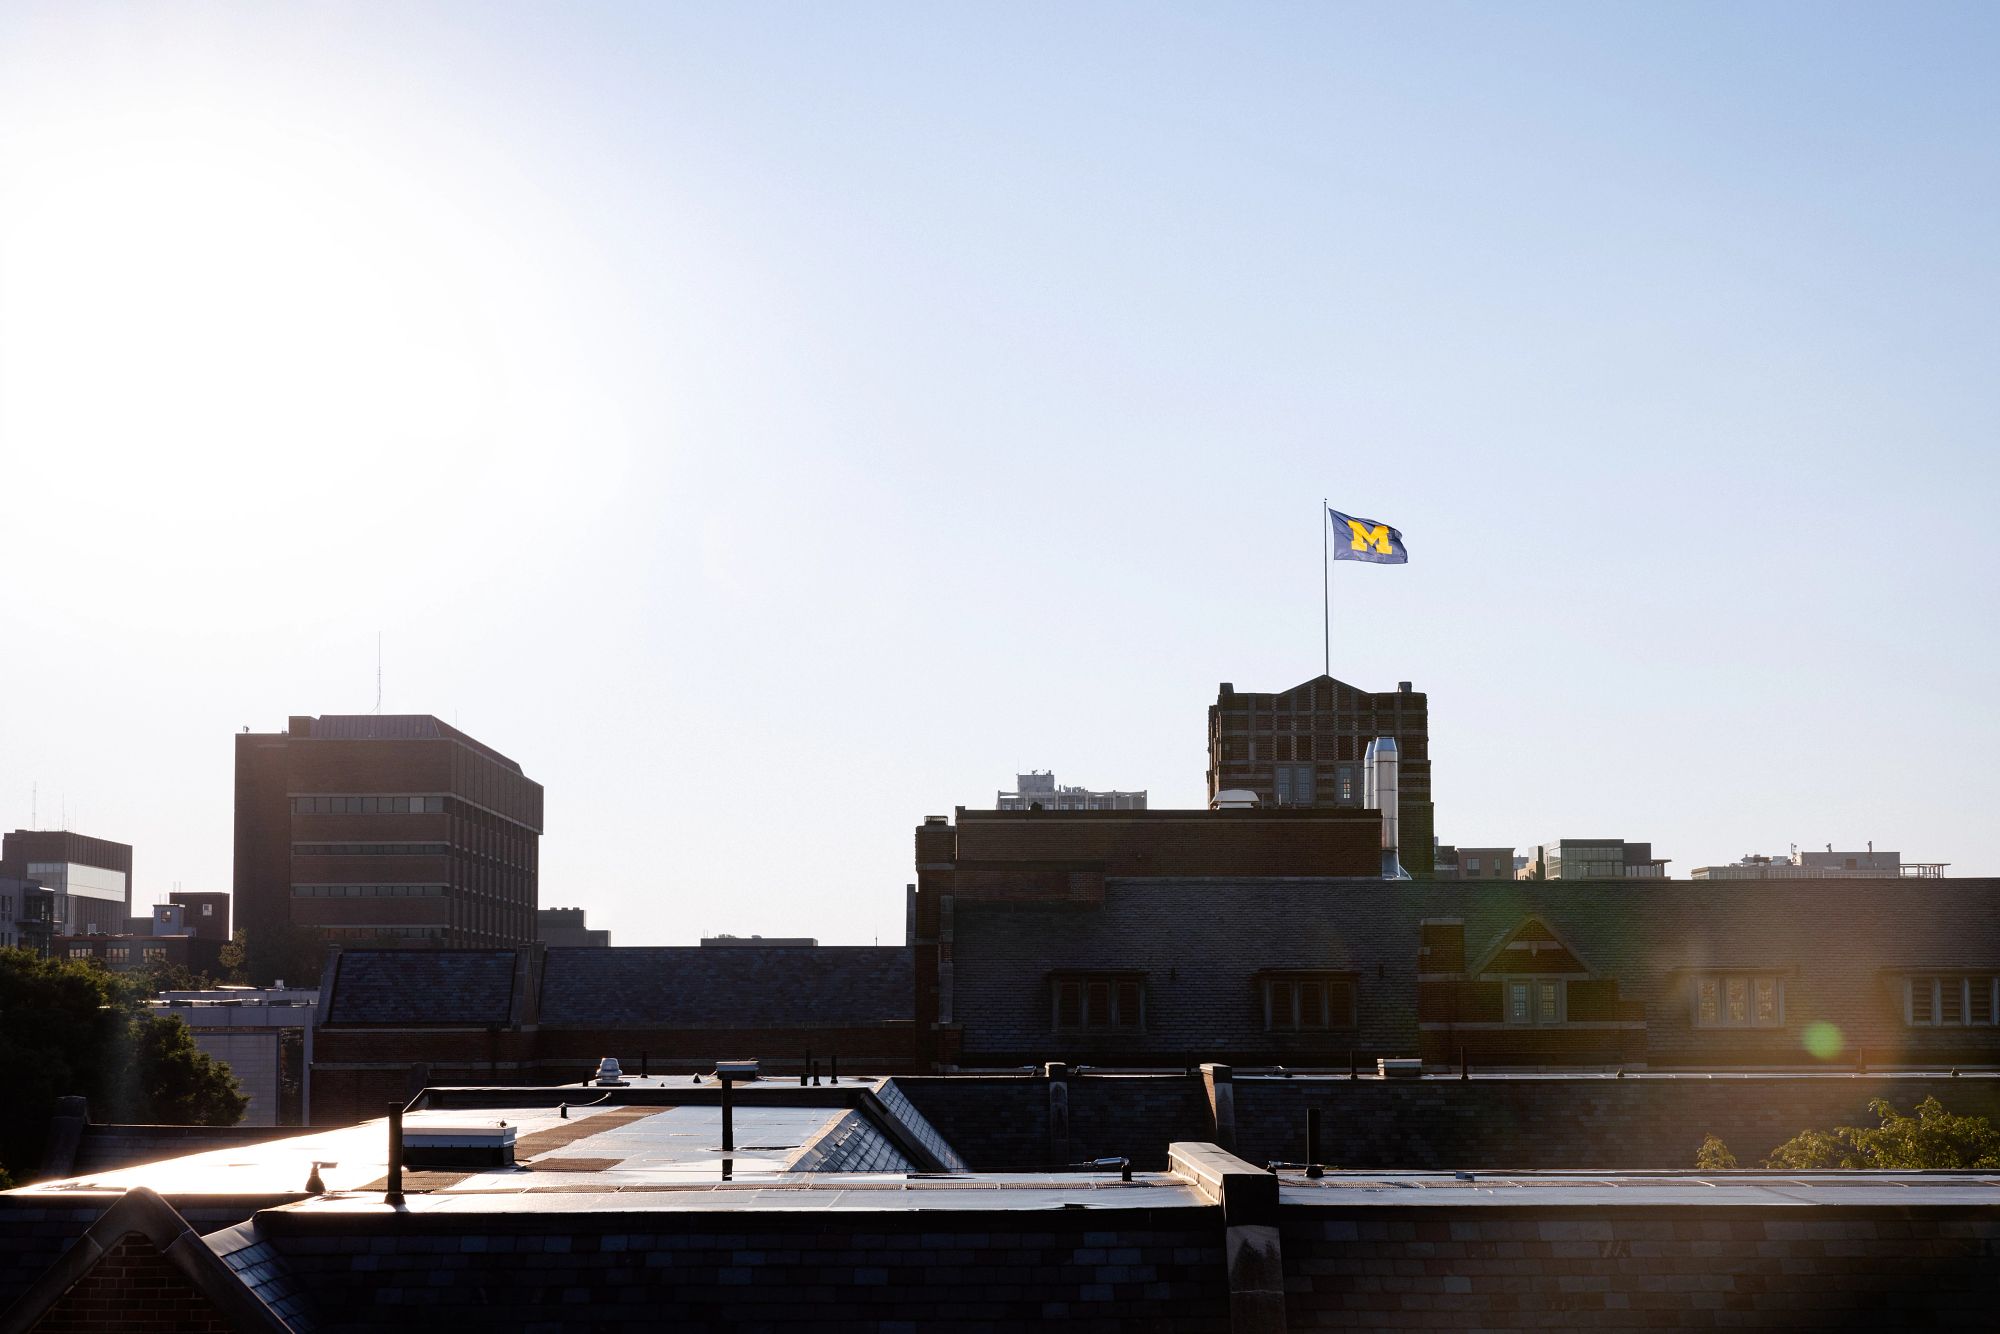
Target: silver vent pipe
1381, 791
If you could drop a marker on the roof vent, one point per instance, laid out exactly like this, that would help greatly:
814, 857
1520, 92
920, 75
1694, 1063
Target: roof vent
1399, 1067
1233, 799
735, 1070
609, 1074
447, 1143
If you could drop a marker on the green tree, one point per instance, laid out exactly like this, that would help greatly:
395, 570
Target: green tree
234, 958
1933, 1138
1714, 1156
67, 1027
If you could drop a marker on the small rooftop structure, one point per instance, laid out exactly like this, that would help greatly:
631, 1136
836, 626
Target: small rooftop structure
1038, 790
1828, 865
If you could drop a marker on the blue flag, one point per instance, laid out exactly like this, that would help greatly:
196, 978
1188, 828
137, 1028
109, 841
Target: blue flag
1365, 539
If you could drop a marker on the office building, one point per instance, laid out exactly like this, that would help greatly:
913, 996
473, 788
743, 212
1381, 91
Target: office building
1593, 859
91, 878
391, 830
1305, 747
565, 927
1038, 790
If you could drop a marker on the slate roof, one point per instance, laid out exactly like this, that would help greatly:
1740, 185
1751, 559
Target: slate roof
423, 987
737, 987
1842, 945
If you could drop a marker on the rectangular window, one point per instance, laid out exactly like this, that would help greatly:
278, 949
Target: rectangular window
1537, 1000
1087, 1002
1739, 1001
1069, 1005
1953, 1000
117, 953
1306, 1002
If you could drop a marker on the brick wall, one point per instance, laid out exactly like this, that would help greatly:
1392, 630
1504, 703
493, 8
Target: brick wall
1591, 1123
1000, 1122
36, 1230
133, 1288
1672, 1267
1109, 1269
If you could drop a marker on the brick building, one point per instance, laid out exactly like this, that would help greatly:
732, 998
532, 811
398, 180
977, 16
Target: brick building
1305, 746
126, 952
90, 878
206, 912
389, 830
1061, 864
1177, 937
392, 1021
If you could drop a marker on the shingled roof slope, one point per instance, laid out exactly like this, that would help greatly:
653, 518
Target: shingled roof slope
423, 987
736, 987
1842, 945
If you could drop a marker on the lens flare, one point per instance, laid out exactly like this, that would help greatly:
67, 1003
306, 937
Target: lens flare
1824, 1040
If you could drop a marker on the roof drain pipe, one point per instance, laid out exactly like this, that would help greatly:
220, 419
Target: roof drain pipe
1382, 792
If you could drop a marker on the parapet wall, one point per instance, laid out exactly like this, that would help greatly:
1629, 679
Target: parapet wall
1674, 1266
1003, 1122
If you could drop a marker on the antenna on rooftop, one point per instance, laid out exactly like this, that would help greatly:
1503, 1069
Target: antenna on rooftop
378, 671
35, 806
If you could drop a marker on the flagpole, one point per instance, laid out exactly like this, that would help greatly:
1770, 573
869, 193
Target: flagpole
1325, 586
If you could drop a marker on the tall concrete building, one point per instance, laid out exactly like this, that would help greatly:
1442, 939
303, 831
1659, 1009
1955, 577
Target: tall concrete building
1304, 747
393, 829
91, 878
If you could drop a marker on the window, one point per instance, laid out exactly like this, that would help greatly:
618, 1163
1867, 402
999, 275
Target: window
1306, 1002
1105, 1002
154, 953
80, 952
1745, 1001
1952, 1000
1472, 866
1537, 1000
117, 954
208, 910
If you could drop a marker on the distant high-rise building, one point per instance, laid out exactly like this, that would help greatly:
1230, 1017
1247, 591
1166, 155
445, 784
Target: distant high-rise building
386, 829
1038, 791
91, 878
1304, 747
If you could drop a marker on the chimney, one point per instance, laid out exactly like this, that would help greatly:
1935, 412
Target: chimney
1383, 792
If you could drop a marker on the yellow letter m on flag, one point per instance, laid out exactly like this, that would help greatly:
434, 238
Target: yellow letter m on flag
1366, 537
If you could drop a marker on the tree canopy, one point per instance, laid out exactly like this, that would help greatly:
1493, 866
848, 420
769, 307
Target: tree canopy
71, 1027
1931, 1139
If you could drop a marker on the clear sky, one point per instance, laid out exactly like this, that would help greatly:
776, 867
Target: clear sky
774, 424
